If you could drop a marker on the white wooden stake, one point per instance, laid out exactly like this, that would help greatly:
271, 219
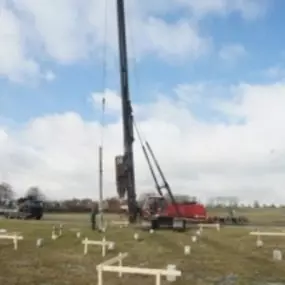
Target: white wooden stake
218, 227
100, 275
15, 242
120, 264
104, 247
158, 279
85, 246
60, 229
109, 266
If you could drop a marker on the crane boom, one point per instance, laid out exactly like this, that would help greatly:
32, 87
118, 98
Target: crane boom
165, 183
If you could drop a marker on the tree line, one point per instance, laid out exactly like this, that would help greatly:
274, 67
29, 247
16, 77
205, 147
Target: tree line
111, 205
7, 194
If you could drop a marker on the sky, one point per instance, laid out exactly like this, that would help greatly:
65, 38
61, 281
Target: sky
206, 83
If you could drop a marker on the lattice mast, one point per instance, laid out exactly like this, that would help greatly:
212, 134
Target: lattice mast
127, 178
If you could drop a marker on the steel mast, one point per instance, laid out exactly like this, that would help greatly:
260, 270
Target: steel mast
100, 154
127, 114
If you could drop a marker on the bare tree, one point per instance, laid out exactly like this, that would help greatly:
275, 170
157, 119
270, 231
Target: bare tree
256, 204
35, 193
6, 192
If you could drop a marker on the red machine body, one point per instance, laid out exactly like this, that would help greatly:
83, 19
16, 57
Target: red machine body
159, 210
188, 210
160, 206
163, 212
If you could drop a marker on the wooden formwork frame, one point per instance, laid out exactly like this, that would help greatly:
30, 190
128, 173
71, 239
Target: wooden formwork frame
108, 266
103, 243
120, 223
12, 236
272, 234
216, 225
259, 234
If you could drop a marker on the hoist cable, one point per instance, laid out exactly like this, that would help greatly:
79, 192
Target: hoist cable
104, 75
152, 172
138, 132
104, 55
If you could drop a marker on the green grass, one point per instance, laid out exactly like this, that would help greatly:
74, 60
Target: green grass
258, 216
215, 256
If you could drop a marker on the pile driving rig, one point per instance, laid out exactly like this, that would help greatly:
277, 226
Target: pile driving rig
156, 210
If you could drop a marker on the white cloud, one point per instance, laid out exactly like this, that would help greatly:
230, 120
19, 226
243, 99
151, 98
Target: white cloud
249, 9
275, 72
59, 152
58, 26
68, 31
112, 101
14, 61
167, 40
80, 30
232, 52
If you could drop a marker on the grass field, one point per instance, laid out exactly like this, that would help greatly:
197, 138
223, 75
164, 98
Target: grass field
226, 257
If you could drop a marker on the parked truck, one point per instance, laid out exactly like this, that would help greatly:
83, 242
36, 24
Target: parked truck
24, 208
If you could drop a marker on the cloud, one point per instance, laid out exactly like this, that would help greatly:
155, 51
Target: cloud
15, 63
232, 52
113, 100
179, 40
69, 31
237, 150
59, 152
248, 9
275, 72
80, 28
